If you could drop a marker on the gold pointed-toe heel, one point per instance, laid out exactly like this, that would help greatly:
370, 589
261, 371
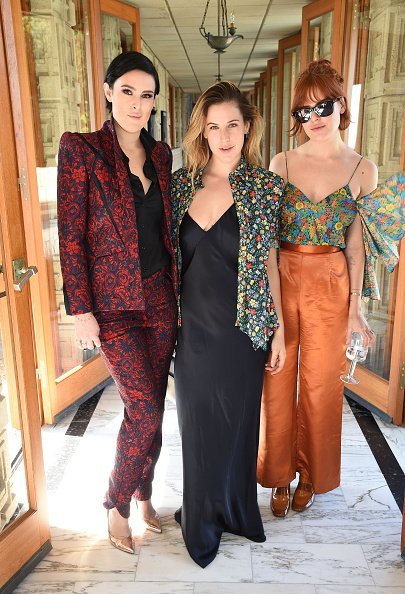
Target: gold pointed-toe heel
123, 543
153, 524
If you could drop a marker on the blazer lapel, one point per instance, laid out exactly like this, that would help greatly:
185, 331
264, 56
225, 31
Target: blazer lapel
161, 163
125, 196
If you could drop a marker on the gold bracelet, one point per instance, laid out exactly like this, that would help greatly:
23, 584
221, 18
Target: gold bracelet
355, 292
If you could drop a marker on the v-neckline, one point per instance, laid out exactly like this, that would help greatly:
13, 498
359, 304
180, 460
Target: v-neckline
216, 222
346, 186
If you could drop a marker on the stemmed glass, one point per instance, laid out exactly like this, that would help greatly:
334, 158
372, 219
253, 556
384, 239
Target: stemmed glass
356, 353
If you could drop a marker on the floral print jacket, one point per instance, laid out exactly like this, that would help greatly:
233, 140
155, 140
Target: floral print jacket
256, 193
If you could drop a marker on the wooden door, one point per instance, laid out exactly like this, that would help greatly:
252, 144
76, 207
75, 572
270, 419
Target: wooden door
271, 110
24, 528
288, 71
114, 28
375, 36
45, 102
323, 23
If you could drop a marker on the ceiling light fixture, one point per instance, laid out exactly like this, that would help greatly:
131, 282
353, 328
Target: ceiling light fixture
226, 33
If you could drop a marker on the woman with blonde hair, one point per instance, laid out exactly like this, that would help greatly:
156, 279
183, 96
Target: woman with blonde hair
225, 213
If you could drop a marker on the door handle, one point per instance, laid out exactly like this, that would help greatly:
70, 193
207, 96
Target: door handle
2, 293
22, 273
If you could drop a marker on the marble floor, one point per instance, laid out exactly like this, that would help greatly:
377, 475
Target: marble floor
347, 543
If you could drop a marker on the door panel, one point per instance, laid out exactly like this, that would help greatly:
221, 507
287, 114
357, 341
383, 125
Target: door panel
24, 525
376, 86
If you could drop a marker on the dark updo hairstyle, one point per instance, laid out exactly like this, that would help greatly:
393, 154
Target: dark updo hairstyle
319, 81
126, 62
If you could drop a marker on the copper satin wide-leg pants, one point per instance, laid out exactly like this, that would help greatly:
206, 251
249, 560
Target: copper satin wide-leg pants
301, 413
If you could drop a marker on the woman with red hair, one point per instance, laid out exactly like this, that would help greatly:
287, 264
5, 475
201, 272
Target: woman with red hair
326, 263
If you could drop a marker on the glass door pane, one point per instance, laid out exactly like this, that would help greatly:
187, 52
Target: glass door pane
118, 37
13, 487
273, 113
56, 44
320, 38
263, 112
380, 315
291, 72
378, 131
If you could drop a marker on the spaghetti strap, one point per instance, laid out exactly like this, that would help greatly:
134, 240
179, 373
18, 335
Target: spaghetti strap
286, 164
355, 169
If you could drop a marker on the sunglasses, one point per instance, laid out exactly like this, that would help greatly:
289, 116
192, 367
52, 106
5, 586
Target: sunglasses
322, 109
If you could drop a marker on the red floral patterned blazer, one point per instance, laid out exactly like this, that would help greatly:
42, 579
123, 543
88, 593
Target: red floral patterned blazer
98, 234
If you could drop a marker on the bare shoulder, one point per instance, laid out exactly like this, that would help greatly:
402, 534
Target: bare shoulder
369, 167
277, 165
368, 176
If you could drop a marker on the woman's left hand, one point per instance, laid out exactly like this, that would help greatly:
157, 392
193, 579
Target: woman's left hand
358, 323
276, 359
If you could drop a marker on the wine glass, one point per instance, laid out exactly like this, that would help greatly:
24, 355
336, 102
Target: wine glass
356, 353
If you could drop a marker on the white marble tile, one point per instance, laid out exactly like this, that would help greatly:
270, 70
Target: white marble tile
170, 392
310, 564
110, 404
352, 527
356, 462
26, 587
386, 565
301, 552
61, 450
76, 557
357, 590
334, 500
220, 588
165, 562
105, 421
395, 437
351, 432
282, 530
368, 494
133, 588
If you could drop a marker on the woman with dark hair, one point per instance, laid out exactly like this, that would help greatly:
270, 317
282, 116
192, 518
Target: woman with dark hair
117, 264
331, 228
225, 215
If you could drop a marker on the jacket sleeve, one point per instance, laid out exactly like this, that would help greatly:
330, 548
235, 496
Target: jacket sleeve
73, 187
273, 196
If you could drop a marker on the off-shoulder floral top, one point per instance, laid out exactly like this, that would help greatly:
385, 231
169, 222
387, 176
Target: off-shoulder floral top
256, 193
326, 222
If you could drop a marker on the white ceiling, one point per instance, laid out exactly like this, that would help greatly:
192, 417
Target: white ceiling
171, 29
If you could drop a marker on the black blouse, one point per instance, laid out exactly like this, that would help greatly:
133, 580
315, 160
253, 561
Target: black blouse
153, 254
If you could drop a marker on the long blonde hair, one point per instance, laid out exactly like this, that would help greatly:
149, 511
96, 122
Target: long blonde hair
196, 146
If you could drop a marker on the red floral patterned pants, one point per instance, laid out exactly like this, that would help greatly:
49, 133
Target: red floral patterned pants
137, 348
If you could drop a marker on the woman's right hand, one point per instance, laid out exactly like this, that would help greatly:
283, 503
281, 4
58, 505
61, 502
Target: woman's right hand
277, 355
87, 331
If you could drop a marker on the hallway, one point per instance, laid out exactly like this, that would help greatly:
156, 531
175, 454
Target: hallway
348, 543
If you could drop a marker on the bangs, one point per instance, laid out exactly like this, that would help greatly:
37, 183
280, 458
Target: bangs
312, 87
315, 90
